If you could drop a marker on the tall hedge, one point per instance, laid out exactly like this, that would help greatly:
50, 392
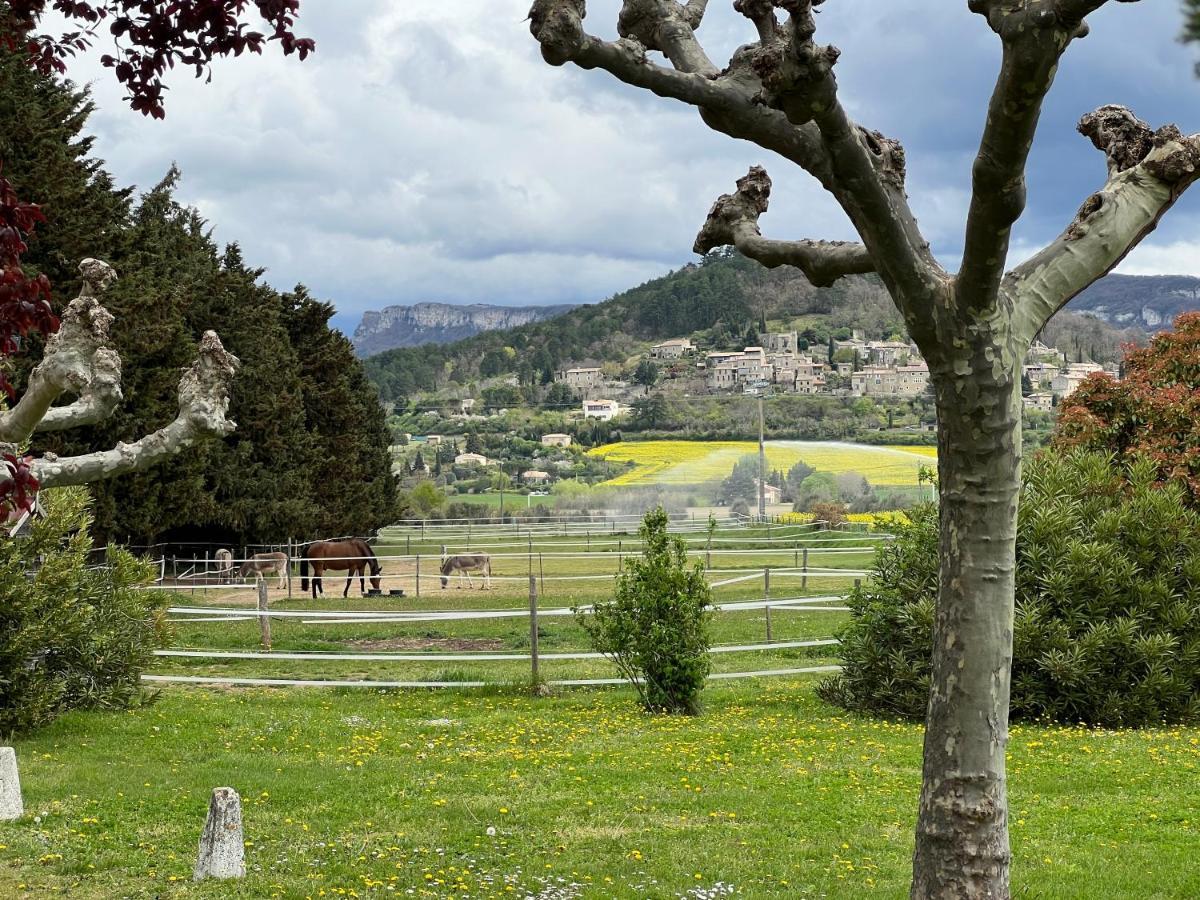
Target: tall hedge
1107, 626
310, 455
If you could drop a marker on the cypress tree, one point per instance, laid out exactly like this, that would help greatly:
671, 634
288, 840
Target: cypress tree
260, 473
47, 158
351, 476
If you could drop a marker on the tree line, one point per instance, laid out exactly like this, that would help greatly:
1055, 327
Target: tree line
310, 453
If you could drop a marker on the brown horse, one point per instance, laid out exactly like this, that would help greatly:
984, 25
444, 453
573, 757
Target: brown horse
353, 555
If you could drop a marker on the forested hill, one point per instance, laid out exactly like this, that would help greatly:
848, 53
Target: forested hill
725, 298
723, 291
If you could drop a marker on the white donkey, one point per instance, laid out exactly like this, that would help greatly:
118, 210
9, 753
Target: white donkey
224, 561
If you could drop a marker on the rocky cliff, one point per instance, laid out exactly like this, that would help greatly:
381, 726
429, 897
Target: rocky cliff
1150, 302
440, 323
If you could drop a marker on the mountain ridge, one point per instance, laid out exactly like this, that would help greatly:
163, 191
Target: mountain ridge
1149, 302
411, 325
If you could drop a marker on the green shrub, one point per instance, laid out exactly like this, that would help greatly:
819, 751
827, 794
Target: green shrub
1107, 627
655, 629
73, 634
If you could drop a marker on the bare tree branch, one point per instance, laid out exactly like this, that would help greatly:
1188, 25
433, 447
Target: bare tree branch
1148, 171
767, 95
1034, 40
1076, 10
733, 220
727, 103
79, 359
203, 404
668, 27
762, 14
1125, 139
867, 169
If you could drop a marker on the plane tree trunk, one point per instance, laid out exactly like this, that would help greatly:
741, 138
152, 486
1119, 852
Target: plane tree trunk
962, 847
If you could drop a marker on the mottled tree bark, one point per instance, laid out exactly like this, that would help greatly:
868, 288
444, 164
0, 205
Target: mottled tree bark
80, 361
962, 845
973, 327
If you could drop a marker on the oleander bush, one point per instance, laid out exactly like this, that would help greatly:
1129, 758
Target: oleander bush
75, 632
1107, 627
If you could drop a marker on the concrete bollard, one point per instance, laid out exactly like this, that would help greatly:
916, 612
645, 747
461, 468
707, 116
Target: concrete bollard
222, 853
11, 806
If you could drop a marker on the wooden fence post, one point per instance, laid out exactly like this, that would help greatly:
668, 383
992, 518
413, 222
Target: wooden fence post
767, 598
264, 620
541, 572
418, 576
804, 577
533, 632
620, 555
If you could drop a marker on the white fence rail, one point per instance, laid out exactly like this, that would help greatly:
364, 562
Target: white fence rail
361, 683
794, 549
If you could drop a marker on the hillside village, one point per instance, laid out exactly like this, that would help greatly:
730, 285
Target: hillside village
783, 363
500, 441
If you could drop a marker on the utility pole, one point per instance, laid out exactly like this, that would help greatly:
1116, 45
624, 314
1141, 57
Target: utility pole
762, 465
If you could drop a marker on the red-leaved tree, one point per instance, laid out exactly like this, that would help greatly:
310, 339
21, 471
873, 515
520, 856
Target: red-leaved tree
147, 40
24, 308
1153, 412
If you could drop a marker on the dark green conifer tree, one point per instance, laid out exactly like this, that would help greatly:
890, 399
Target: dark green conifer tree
351, 479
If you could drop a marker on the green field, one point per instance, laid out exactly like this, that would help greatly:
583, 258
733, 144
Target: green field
377, 794
700, 462
492, 792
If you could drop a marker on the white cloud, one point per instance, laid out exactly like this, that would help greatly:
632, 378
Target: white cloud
1175, 258
427, 152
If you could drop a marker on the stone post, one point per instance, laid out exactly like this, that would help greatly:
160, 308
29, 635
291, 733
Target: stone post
11, 806
222, 851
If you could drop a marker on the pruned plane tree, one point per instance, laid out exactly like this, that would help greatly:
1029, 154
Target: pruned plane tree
973, 326
80, 366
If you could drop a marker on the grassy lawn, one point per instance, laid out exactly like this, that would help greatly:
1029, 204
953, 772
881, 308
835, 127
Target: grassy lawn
375, 794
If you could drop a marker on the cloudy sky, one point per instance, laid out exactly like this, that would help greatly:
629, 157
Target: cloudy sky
426, 152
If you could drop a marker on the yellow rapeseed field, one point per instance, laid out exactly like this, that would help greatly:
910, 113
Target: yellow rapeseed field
697, 462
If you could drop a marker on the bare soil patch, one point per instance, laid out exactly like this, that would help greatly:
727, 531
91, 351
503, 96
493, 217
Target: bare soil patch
415, 643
